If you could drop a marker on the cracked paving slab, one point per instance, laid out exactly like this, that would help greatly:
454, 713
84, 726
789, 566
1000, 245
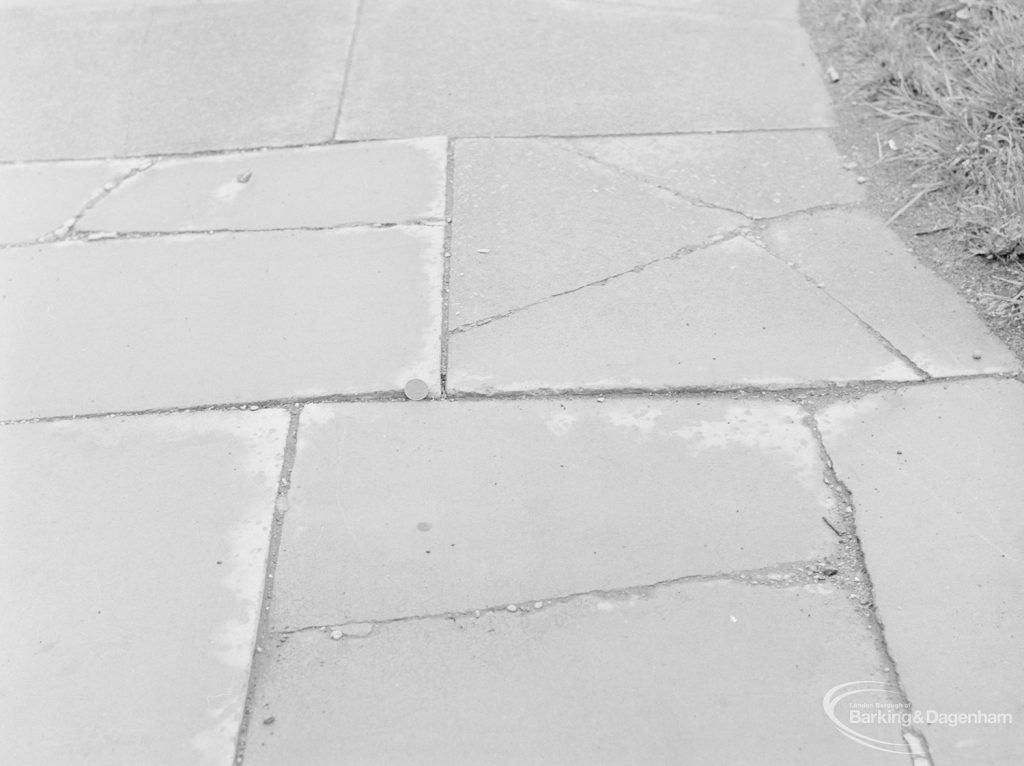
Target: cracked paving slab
529, 68
531, 220
37, 199
760, 174
133, 561
863, 264
306, 187
695, 673
726, 315
493, 502
136, 324
169, 77
934, 475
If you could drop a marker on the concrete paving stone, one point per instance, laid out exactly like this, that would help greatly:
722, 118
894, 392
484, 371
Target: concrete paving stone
159, 78
37, 199
532, 220
726, 315
760, 174
133, 324
132, 563
934, 472
495, 502
864, 265
314, 187
703, 673
755, 9
543, 67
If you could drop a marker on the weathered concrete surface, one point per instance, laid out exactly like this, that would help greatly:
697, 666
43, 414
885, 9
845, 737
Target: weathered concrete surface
314, 187
144, 79
486, 503
936, 483
132, 562
465, 68
532, 219
864, 265
759, 174
701, 673
726, 315
175, 321
36, 199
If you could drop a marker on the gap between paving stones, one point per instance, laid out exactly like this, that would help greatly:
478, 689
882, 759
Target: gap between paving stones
339, 141
446, 274
262, 629
889, 345
863, 589
825, 392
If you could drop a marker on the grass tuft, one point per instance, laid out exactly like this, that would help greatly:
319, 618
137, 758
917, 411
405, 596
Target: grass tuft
948, 75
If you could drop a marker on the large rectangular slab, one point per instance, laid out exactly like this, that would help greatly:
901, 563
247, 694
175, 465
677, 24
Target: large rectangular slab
308, 187
698, 674
127, 78
937, 488
132, 561
179, 321
542, 67
403, 508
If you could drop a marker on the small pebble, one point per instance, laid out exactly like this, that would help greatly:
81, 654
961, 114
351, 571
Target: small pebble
538, 604
336, 635
600, 399
862, 179
483, 251
269, 720
976, 355
243, 178
512, 608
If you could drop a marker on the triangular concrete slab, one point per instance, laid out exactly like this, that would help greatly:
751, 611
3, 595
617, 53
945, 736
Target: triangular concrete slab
728, 315
532, 220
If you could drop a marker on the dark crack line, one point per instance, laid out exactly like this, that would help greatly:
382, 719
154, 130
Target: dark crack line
642, 179
349, 58
844, 497
782, 575
886, 343
638, 268
273, 547
823, 390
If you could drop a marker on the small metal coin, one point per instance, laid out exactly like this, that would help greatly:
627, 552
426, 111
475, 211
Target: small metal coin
416, 390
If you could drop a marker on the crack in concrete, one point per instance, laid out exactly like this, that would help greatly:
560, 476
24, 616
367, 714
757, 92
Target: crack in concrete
446, 278
813, 395
863, 587
695, 201
675, 255
263, 628
67, 230
888, 344
348, 67
783, 575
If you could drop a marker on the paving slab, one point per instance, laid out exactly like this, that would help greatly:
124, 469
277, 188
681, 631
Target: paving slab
156, 77
464, 68
174, 321
864, 265
701, 673
760, 174
933, 471
132, 564
310, 187
532, 219
495, 502
36, 199
727, 315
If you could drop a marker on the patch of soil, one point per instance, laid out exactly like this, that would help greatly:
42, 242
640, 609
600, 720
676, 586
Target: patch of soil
861, 136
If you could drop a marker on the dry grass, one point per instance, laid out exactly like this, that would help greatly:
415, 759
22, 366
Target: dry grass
948, 75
